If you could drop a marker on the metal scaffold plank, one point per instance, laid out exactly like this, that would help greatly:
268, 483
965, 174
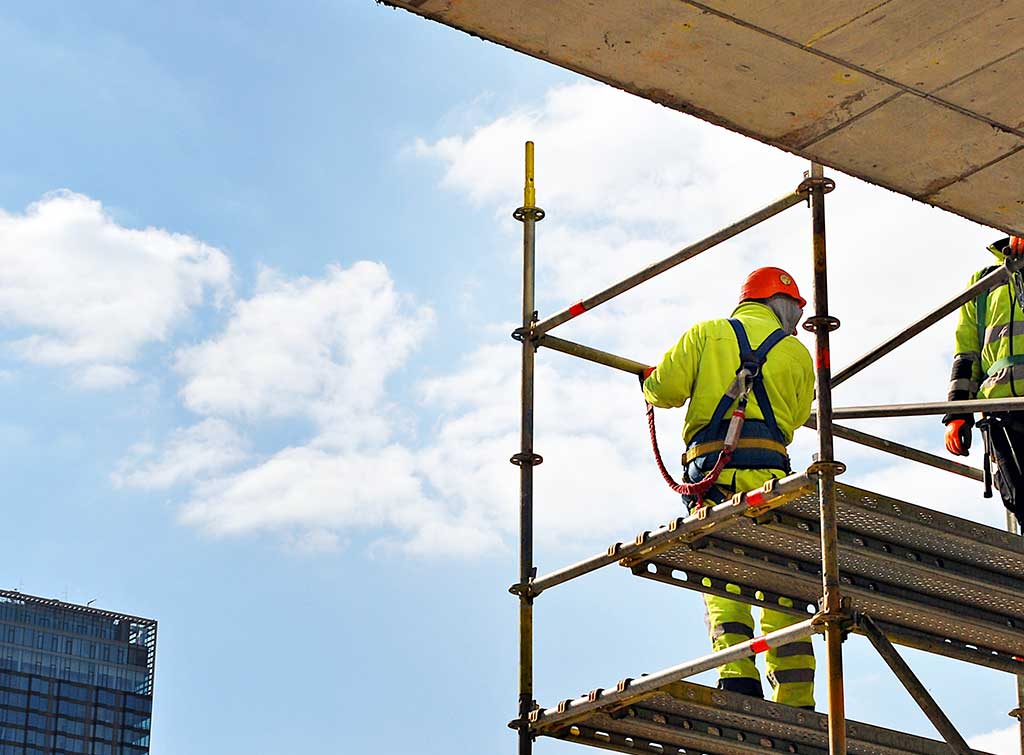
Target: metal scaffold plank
691, 718
930, 580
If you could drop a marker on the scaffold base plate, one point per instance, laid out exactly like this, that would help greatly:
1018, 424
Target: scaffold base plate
694, 720
929, 580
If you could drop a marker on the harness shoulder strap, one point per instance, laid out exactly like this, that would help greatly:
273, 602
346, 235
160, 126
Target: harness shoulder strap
755, 358
760, 392
981, 307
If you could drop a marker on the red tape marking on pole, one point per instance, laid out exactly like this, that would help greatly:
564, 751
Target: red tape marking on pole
755, 499
760, 645
577, 309
824, 359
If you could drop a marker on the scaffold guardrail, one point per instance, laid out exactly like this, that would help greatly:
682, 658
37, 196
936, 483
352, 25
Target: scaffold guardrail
684, 717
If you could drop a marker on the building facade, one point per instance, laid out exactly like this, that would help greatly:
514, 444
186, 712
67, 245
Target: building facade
73, 679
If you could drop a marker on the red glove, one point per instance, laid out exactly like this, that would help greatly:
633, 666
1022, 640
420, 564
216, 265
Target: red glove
1016, 246
958, 437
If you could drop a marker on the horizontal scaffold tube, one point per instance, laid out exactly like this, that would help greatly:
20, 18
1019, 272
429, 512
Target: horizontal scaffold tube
938, 407
695, 525
629, 689
671, 261
996, 278
898, 449
591, 354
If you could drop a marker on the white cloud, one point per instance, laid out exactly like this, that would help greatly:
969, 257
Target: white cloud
999, 742
319, 348
300, 486
312, 495
102, 376
189, 454
603, 154
89, 293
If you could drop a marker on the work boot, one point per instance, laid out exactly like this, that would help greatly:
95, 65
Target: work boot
742, 686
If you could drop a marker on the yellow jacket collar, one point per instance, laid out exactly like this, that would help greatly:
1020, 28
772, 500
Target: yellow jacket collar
759, 308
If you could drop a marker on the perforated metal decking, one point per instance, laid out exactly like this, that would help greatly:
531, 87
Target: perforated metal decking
930, 580
694, 719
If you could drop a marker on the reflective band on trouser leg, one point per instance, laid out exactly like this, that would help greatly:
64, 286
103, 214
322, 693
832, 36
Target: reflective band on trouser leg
790, 667
731, 627
781, 676
795, 648
731, 623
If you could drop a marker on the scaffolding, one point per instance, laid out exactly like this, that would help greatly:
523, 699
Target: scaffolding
848, 560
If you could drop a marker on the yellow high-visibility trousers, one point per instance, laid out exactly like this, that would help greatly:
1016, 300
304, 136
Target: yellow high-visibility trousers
790, 668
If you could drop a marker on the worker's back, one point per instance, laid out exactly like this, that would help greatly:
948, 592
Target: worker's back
703, 364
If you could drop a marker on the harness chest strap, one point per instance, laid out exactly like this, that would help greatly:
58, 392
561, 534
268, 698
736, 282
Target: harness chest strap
1005, 362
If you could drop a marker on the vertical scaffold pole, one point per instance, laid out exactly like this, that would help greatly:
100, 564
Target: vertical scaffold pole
1012, 527
529, 214
827, 468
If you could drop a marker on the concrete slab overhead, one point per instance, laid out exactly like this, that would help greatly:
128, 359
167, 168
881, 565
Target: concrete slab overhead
923, 97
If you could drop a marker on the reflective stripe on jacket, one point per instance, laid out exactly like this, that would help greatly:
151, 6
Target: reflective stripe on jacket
1003, 336
700, 367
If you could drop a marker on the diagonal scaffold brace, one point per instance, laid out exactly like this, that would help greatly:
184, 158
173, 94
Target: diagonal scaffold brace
913, 685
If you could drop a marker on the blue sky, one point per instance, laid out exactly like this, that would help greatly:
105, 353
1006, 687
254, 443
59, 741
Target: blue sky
259, 273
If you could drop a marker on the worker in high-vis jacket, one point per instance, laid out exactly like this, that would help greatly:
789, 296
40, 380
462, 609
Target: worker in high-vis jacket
989, 363
700, 369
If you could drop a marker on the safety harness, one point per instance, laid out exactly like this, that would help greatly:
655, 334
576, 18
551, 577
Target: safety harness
981, 304
994, 423
761, 446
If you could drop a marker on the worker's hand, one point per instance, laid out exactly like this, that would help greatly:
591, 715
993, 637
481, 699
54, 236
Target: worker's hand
645, 374
958, 437
1016, 246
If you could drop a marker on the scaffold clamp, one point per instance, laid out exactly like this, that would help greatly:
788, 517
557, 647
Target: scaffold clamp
523, 214
526, 589
530, 459
833, 467
810, 183
819, 322
845, 617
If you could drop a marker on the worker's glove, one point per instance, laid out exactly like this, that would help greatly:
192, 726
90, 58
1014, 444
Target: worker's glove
958, 436
644, 375
1016, 246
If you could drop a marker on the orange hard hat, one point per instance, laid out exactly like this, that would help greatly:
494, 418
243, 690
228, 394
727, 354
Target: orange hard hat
768, 281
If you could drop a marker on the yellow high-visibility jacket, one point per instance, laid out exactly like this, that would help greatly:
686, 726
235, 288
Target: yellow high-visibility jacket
700, 367
978, 352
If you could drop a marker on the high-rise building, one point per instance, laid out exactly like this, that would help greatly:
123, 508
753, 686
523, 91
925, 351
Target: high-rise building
73, 679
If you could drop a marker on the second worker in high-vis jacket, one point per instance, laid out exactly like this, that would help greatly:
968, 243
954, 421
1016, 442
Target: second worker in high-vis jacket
988, 362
